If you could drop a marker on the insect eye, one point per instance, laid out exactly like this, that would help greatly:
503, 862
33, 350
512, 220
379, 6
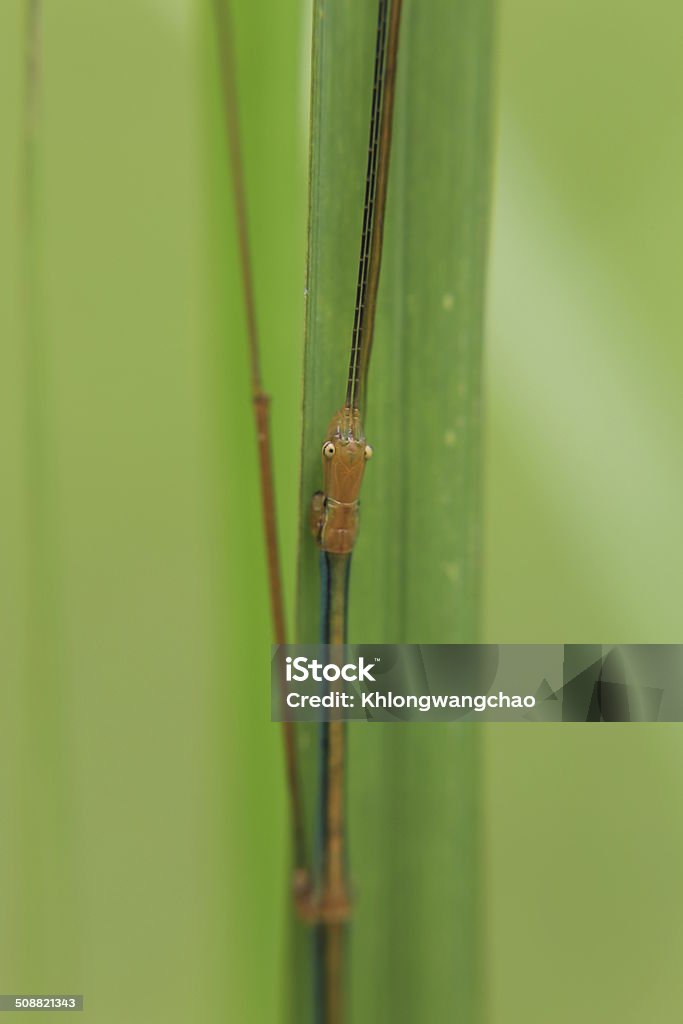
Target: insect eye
368, 452
328, 449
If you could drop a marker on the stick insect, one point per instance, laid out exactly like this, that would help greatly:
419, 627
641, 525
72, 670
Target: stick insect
322, 895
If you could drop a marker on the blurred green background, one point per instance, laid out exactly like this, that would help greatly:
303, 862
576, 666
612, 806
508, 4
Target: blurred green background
144, 850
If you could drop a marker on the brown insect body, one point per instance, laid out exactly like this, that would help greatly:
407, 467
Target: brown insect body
334, 510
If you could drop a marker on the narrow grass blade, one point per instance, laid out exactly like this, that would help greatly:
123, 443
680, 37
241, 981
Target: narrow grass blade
413, 799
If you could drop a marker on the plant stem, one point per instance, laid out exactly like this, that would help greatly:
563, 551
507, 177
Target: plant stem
260, 403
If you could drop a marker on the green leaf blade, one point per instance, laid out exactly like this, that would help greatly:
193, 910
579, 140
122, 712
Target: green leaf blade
413, 791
